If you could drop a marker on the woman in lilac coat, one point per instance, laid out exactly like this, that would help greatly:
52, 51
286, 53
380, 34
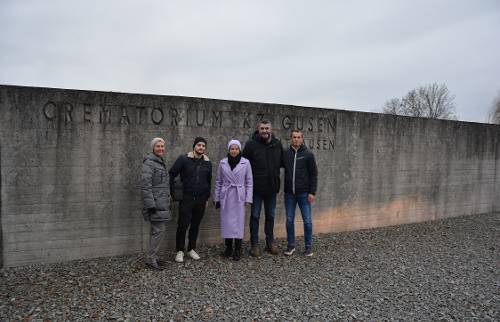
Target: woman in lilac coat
233, 189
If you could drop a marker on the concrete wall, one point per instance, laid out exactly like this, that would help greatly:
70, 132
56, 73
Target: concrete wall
70, 162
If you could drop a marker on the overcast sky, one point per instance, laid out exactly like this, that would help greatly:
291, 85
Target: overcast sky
338, 54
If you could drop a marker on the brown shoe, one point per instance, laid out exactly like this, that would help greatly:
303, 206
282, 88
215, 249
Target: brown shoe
273, 249
255, 251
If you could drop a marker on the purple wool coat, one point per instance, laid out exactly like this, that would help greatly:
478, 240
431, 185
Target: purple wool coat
232, 189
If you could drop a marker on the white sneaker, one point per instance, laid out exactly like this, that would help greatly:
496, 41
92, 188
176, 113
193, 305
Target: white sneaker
193, 254
179, 257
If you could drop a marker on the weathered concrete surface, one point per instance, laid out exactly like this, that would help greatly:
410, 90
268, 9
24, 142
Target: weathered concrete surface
70, 162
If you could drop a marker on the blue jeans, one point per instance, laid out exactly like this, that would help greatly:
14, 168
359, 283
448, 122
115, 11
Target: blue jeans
291, 201
270, 211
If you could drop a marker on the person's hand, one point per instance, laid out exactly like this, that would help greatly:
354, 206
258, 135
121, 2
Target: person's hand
217, 204
310, 198
151, 210
248, 203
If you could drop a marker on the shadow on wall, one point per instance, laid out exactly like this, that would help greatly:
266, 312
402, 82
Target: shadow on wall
347, 217
403, 210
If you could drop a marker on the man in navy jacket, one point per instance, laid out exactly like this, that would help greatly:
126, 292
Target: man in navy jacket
195, 170
301, 181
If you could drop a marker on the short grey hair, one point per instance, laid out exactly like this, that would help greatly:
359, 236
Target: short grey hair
156, 140
264, 121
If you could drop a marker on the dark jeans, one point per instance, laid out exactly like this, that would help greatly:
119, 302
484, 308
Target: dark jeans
191, 212
270, 211
291, 202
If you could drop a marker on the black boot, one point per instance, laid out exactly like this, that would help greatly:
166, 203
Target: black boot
229, 247
237, 249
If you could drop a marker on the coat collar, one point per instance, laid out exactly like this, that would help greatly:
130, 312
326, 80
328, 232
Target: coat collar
191, 156
153, 157
225, 163
300, 149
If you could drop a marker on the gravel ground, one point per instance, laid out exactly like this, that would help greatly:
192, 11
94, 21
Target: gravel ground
441, 270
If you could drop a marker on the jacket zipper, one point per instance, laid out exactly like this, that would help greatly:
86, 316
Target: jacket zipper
293, 177
197, 177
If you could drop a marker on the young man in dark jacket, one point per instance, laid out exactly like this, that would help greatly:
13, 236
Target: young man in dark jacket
196, 175
265, 154
301, 181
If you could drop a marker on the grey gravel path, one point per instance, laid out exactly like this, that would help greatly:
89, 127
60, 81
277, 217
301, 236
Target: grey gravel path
441, 270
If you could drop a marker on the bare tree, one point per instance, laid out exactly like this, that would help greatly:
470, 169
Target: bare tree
393, 106
495, 111
432, 101
413, 104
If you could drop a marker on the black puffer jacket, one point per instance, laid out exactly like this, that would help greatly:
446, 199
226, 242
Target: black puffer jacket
196, 175
155, 189
301, 172
265, 159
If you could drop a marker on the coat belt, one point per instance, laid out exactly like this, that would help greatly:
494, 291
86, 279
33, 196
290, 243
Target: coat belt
239, 189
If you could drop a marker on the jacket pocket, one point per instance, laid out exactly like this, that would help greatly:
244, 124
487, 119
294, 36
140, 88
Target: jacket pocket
161, 215
159, 176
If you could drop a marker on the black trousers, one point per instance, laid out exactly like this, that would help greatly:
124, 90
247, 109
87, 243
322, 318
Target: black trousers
191, 211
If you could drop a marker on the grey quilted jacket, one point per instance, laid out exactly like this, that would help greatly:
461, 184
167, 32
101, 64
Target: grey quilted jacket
155, 189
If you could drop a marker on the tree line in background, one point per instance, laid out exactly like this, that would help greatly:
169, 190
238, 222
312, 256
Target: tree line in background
432, 101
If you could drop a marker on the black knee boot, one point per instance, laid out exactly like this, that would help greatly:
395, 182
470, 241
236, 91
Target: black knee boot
237, 249
229, 247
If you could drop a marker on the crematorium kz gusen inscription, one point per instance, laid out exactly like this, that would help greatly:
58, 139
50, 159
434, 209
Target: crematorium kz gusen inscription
322, 128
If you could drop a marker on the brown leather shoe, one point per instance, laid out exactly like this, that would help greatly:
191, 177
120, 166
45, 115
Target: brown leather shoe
273, 249
255, 251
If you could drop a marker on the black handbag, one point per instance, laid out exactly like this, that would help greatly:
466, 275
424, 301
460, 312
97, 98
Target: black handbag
178, 190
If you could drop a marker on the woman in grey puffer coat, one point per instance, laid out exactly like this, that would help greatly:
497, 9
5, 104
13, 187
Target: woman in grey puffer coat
155, 198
